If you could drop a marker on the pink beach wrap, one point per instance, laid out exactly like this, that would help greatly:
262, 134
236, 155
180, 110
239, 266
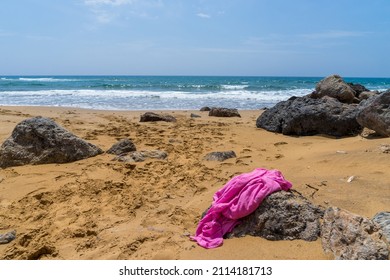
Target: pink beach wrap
238, 198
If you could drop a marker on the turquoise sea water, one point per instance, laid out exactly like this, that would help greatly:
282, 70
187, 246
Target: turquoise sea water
160, 92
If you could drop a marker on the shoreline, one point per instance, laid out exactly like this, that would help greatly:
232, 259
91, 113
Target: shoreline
100, 209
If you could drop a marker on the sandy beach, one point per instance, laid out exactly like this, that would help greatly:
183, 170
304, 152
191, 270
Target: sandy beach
98, 208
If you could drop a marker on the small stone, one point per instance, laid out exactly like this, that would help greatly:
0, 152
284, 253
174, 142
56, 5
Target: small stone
220, 156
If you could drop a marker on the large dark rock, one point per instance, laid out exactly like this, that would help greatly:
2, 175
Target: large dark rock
224, 112
358, 88
374, 113
282, 216
352, 237
121, 147
153, 117
308, 116
40, 140
334, 86
220, 156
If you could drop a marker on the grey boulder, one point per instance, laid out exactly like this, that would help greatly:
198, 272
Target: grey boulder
39, 141
374, 113
308, 116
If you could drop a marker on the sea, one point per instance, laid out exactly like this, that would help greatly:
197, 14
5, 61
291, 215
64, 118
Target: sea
160, 92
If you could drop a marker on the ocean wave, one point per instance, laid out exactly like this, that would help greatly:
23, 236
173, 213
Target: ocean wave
232, 87
45, 80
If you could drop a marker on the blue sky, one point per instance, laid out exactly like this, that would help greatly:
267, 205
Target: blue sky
195, 37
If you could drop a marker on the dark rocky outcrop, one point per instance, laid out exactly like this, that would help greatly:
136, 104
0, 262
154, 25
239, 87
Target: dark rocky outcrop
40, 140
282, 216
383, 220
374, 113
121, 147
224, 112
308, 116
351, 237
153, 117
205, 109
139, 156
220, 156
358, 88
334, 86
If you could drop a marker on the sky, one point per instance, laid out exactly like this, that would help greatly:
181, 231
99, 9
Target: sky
195, 37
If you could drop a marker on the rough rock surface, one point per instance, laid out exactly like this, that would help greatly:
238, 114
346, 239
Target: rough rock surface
367, 94
358, 88
204, 109
374, 113
335, 87
383, 220
121, 147
282, 216
307, 116
220, 156
139, 156
153, 117
352, 237
224, 112
40, 140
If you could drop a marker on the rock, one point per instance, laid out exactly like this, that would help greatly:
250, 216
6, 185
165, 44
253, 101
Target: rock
153, 117
224, 112
195, 116
383, 220
374, 113
334, 86
121, 147
139, 156
40, 140
220, 156
358, 88
282, 216
7, 237
205, 109
367, 94
384, 148
352, 237
307, 116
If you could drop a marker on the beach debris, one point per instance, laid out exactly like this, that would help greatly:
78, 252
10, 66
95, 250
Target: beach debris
121, 147
153, 117
7, 237
40, 140
220, 156
334, 86
374, 113
351, 237
350, 179
139, 156
383, 220
205, 109
224, 112
282, 216
308, 116
341, 152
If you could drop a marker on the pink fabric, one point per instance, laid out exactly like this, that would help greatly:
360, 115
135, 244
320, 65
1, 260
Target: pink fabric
238, 198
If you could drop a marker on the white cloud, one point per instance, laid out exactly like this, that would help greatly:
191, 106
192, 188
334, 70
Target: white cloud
202, 15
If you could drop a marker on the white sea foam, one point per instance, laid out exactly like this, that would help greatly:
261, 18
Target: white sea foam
234, 86
45, 80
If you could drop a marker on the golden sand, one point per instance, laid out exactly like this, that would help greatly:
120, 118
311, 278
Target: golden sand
102, 209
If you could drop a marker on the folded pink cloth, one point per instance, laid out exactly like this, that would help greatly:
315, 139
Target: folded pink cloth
238, 198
